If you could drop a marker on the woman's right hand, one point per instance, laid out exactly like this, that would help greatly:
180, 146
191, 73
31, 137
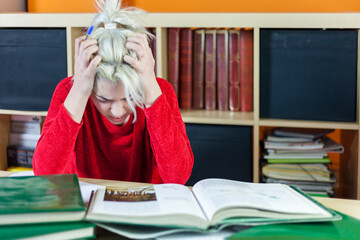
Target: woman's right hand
84, 66
84, 77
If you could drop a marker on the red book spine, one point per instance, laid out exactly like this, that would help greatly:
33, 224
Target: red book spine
186, 46
173, 58
246, 73
234, 70
222, 49
198, 69
210, 69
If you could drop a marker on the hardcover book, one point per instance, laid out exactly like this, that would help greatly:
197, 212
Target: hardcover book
186, 57
234, 70
302, 132
222, 72
198, 69
173, 58
210, 69
246, 70
209, 206
64, 230
40, 199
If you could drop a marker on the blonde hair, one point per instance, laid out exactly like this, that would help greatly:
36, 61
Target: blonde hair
111, 27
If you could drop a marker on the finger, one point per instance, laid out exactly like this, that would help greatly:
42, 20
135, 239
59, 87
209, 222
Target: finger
90, 51
85, 44
139, 38
94, 63
135, 47
132, 61
77, 44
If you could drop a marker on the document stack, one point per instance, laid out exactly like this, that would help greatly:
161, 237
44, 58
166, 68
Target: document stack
24, 134
299, 157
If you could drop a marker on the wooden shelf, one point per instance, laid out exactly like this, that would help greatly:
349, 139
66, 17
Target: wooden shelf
217, 117
18, 112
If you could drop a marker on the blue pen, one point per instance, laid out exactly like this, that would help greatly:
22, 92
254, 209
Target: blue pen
89, 32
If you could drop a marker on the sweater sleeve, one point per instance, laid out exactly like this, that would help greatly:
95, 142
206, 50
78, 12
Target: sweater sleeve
55, 150
169, 142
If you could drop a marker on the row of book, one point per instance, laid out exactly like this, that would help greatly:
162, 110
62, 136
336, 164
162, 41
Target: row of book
24, 135
211, 69
299, 157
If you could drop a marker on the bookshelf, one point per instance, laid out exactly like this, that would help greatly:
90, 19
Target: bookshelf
349, 173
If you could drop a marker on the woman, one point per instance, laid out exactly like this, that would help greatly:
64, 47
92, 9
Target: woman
114, 119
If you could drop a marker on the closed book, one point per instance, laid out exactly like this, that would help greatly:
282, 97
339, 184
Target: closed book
302, 132
198, 69
298, 160
65, 230
173, 58
25, 118
234, 70
222, 49
210, 69
314, 172
246, 70
25, 127
317, 144
24, 140
40, 199
19, 156
186, 57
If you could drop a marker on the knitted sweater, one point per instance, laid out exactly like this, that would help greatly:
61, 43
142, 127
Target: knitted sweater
154, 149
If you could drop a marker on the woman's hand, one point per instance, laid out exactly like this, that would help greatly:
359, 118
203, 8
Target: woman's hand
84, 77
144, 66
84, 67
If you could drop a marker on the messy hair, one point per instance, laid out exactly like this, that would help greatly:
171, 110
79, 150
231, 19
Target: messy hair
111, 27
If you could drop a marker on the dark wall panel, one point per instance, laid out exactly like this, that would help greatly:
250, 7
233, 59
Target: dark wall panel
221, 152
33, 61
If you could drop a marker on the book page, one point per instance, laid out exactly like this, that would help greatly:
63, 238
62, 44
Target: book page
216, 194
168, 199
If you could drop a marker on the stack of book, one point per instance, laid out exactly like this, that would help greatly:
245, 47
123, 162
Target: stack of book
211, 69
43, 207
24, 134
299, 157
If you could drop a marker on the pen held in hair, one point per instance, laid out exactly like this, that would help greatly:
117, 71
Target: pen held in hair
89, 32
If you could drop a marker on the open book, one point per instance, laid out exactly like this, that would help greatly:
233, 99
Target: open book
211, 203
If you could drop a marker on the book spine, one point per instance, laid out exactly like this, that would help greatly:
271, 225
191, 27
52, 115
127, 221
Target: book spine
246, 70
234, 70
222, 49
210, 69
186, 46
198, 69
173, 58
24, 140
25, 127
26, 118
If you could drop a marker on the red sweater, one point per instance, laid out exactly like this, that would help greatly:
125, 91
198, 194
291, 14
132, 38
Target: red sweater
154, 149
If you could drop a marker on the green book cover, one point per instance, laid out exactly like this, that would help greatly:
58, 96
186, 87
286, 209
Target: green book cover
299, 160
65, 230
346, 229
47, 198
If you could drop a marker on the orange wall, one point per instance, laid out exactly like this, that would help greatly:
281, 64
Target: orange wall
204, 5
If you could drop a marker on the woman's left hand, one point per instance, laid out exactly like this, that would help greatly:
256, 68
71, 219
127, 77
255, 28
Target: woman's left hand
144, 66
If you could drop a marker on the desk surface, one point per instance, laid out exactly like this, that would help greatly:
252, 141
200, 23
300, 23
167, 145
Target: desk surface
347, 206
